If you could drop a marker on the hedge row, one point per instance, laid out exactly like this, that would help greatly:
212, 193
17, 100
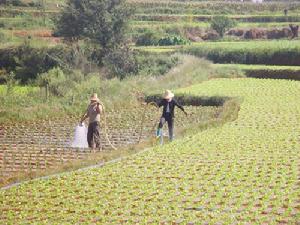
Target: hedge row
267, 56
274, 74
190, 100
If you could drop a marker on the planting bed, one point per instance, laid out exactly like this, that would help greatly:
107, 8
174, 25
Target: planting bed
245, 172
29, 147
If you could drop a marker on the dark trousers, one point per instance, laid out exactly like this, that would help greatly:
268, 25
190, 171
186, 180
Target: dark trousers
93, 135
170, 120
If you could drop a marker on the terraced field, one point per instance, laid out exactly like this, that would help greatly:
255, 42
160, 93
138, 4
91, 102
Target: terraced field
19, 23
245, 172
45, 145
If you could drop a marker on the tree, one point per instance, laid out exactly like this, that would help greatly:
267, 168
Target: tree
221, 24
121, 62
102, 21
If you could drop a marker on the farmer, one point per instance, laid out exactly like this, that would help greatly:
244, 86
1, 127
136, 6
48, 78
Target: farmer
168, 104
93, 113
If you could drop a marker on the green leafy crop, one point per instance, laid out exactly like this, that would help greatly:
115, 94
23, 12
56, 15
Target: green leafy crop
245, 172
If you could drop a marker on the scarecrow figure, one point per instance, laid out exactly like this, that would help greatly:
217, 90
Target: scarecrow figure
168, 102
93, 113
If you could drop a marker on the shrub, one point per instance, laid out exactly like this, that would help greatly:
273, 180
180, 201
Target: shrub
192, 100
148, 38
121, 62
221, 24
27, 62
172, 40
155, 64
57, 82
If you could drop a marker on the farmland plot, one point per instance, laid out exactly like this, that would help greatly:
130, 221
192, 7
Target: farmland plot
33, 146
245, 172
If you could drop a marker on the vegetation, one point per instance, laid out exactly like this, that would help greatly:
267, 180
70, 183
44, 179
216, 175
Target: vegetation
114, 93
102, 21
265, 71
282, 52
245, 171
221, 24
30, 160
213, 7
153, 38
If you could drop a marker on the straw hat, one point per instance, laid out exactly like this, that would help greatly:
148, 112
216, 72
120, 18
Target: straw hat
94, 97
168, 94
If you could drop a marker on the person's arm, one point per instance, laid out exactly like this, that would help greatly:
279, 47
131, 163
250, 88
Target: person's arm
84, 117
99, 108
180, 107
161, 103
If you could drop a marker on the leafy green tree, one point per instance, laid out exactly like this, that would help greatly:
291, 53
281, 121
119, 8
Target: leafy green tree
221, 24
121, 62
102, 21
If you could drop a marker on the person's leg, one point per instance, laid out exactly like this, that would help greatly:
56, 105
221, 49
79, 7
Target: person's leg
90, 135
160, 126
171, 128
96, 135
159, 130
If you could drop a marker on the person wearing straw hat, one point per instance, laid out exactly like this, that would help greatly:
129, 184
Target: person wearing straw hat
93, 113
168, 102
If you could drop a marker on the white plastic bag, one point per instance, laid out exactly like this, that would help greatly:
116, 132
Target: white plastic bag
80, 137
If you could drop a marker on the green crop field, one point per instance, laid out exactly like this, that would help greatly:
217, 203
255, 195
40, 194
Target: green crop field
276, 52
245, 172
18, 90
235, 163
17, 23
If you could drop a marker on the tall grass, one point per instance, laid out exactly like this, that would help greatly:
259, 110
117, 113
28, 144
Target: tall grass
114, 93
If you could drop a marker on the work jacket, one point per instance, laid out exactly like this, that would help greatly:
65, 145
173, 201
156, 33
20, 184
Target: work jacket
172, 105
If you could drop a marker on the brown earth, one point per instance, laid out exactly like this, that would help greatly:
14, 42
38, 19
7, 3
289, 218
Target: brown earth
261, 33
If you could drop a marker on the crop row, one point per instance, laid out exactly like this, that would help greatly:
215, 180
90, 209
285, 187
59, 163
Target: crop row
201, 18
210, 7
245, 172
30, 147
261, 52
